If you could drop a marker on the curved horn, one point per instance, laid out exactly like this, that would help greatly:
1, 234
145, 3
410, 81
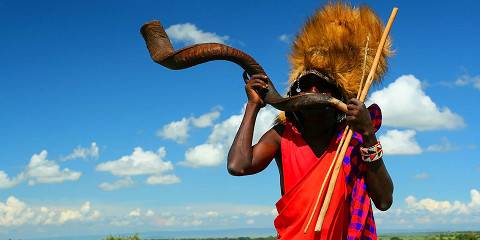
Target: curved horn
162, 52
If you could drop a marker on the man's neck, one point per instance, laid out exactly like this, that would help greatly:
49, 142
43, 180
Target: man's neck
318, 133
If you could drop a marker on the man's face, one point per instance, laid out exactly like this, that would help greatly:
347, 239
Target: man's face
311, 83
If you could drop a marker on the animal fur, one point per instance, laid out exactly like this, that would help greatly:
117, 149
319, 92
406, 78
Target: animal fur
333, 41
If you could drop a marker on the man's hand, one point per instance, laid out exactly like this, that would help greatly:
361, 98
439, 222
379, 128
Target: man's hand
359, 119
255, 84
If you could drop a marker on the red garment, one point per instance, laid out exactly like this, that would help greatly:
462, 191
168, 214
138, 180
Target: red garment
303, 174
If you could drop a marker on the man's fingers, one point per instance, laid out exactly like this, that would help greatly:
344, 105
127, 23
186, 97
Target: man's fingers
351, 106
354, 101
261, 77
257, 83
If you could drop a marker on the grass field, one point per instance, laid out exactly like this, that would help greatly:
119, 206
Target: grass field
475, 235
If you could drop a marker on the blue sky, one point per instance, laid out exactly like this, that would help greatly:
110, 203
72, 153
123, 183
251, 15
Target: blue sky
97, 139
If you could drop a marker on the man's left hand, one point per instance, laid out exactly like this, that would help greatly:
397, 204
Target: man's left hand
359, 119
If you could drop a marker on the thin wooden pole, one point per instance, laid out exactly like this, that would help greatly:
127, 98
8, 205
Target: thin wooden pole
342, 140
349, 135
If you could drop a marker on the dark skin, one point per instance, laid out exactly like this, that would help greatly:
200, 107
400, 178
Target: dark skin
245, 159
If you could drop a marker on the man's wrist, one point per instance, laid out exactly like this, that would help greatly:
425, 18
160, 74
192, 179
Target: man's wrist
254, 105
369, 138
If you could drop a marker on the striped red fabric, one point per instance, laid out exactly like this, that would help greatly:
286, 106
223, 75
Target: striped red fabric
362, 223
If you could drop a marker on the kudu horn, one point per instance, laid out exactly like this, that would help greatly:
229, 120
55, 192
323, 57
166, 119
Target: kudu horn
162, 52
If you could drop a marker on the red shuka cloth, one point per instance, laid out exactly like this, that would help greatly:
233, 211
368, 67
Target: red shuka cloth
303, 174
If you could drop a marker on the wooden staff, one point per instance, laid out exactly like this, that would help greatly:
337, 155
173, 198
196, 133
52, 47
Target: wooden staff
347, 135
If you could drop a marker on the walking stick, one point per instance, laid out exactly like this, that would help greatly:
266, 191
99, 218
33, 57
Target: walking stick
347, 135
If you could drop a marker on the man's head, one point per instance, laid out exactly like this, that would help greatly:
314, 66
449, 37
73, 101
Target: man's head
313, 81
338, 41
316, 82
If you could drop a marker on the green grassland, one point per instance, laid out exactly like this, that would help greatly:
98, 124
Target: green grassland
419, 236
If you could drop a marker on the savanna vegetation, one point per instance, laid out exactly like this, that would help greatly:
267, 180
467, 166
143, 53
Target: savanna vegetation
430, 236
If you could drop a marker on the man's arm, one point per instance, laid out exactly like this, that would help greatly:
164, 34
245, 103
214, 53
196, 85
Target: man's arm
243, 159
379, 183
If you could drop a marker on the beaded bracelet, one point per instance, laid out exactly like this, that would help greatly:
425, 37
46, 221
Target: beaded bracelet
372, 153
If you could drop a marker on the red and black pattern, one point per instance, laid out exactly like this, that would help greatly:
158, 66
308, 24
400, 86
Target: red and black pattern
362, 224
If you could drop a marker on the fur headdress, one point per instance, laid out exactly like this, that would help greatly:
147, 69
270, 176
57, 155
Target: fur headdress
333, 42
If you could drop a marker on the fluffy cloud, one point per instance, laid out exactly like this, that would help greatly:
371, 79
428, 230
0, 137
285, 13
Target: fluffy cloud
121, 183
15, 212
422, 176
284, 38
428, 213
396, 142
189, 34
405, 104
444, 146
205, 120
42, 170
178, 130
83, 153
135, 213
7, 182
163, 179
213, 152
140, 162
466, 80
204, 155
445, 207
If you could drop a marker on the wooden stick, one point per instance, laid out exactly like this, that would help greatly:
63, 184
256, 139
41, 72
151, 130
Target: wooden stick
378, 54
342, 140
331, 186
363, 95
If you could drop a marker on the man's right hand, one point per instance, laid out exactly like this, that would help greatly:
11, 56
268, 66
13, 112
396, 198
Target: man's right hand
255, 84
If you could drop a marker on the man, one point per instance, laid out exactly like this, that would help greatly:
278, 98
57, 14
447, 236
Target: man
326, 59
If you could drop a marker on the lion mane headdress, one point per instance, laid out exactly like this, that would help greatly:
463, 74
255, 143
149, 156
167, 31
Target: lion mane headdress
339, 41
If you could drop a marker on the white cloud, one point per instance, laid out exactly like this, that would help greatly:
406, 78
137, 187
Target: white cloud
205, 120
253, 213
466, 79
42, 170
189, 33
214, 150
422, 176
250, 221
15, 212
121, 183
149, 213
163, 179
7, 182
284, 38
444, 146
207, 214
405, 104
204, 155
119, 222
445, 207
396, 142
141, 162
135, 213
429, 213
176, 131
83, 153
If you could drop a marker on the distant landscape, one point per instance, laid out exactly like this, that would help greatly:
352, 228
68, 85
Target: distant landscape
471, 235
